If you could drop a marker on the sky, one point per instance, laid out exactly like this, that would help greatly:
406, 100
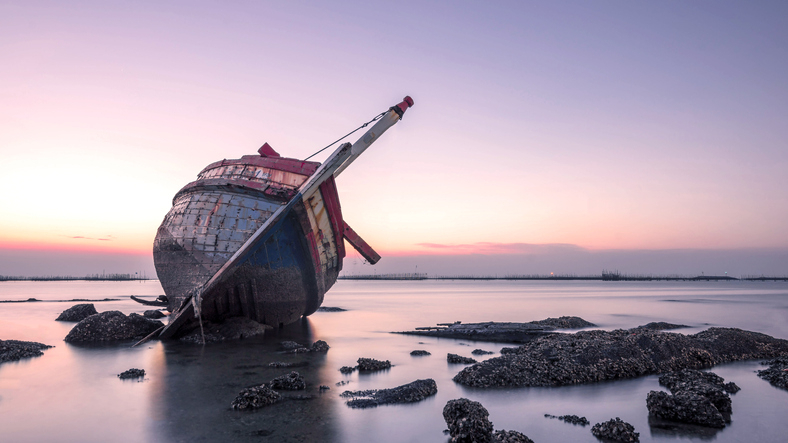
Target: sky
567, 137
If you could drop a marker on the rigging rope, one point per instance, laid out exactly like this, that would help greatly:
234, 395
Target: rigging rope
377, 117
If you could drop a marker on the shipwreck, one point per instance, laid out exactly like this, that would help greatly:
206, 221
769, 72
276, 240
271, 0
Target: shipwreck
260, 237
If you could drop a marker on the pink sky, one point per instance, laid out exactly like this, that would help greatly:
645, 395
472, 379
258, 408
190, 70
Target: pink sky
612, 126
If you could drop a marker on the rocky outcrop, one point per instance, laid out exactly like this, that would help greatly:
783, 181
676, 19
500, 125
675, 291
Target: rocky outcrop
77, 312
330, 309
234, 328
706, 384
592, 356
573, 419
13, 350
112, 326
777, 373
616, 430
255, 397
454, 358
481, 352
500, 332
288, 382
685, 407
370, 364
409, 393
132, 373
420, 353
319, 346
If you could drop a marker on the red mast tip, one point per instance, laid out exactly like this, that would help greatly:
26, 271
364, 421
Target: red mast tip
408, 100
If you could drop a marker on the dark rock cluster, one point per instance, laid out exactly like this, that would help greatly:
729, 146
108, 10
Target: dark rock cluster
77, 312
481, 352
420, 352
469, 422
777, 373
153, 313
370, 364
565, 322
410, 393
616, 430
132, 373
454, 358
347, 369
661, 326
291, 347
330, 309
696, 397
256, 397
592, 356
573, 419
112, 326
13, 350
319, 346
288, 382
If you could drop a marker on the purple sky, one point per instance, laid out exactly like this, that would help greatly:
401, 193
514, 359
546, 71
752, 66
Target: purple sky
607, 126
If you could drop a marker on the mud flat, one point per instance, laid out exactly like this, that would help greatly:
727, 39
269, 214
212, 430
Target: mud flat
500, 331
592, 356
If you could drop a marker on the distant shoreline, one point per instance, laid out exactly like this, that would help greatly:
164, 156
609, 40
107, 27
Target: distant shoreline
602, 277
107, 277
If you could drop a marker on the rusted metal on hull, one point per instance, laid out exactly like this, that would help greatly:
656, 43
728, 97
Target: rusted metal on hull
261, 237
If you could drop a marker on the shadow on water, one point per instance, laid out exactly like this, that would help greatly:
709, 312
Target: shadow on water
199, 384
665, 429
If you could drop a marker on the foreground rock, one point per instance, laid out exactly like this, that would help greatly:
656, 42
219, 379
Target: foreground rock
13, 350
592, 356
255, 397
616, 430
234, 328
454, 358
77, 312
777, 374
501, 332
469, 422
409, 393
112, 326
288, 382
132, 373
696, 397
707, 384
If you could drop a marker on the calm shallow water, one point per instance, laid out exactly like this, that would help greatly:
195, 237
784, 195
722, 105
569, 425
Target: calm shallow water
72, 393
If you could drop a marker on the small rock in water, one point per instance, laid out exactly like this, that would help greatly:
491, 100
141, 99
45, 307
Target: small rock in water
255, 397
370, 364
566, 322
112, 326
324, 388
330, 309
616, 430
419, 352
706, 384
341, 383
685, 407
347, 369
319, 346
661, 326
153, 313
289, 382
777, 373
77, 312
132, 373
481, 352
454, 358
468, 421
573, 419
13, 350
409, 393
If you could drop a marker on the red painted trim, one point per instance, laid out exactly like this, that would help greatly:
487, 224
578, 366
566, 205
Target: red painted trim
328, 189
360, 245
280, 163
267, 151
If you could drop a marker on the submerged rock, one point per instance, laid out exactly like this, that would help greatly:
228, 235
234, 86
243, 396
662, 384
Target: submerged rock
454, 358
499, 331
289, 382
616, 430
661, 326
77, 312
468, 421
132, 373
592, 356
234, 328
13, 350
565, 322
330, 309
481, 352
409, 393
573, 419
112, 326
370, 364
153, 313
347, 369
777, 373
420, 352
255, 397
